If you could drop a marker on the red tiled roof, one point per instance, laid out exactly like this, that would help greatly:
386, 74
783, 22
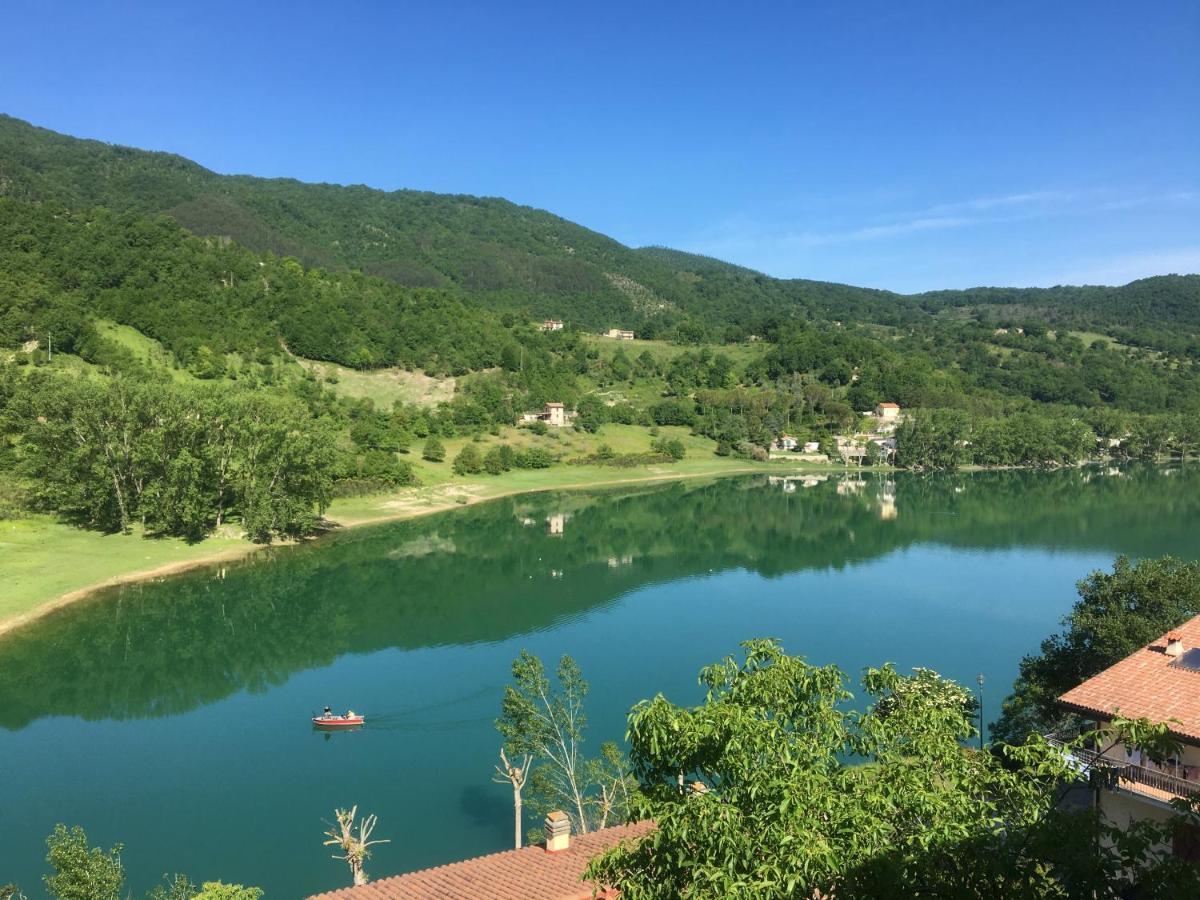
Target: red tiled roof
526, 874
890, 405
1145, 684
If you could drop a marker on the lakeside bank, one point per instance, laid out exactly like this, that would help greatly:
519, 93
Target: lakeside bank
49, 565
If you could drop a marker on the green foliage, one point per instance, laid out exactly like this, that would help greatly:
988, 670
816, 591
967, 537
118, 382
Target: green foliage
218, 890
82, 872
178, 460
772, 787
468, 461
498, 460
434, 450
174, 887
533, 458
548, 722
1116, 614
672, 448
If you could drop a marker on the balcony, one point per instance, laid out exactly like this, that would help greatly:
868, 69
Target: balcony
1120, 774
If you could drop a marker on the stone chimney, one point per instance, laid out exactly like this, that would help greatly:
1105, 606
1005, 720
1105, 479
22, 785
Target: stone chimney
558, 831
1174, 645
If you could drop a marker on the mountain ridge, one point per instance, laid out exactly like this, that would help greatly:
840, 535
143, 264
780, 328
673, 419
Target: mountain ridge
513, 258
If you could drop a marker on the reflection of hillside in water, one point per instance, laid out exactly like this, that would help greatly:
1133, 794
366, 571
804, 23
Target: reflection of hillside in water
513, 566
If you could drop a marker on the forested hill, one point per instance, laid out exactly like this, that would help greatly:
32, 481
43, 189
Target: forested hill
516, 258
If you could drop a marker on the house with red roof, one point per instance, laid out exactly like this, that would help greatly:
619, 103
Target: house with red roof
552, 870
1160, 682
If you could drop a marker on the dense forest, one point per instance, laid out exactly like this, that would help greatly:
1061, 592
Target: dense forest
519, 259
235, 278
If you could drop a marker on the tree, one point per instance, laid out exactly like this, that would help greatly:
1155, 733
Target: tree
174, 887
590, 413
82, 872
1116, 614
546, 723
433, 451
549, 723
507, 773
218, 890
468, 461
772, 787
494, 461
355, 845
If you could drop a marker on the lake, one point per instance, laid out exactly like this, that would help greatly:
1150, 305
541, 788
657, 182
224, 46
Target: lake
174, 716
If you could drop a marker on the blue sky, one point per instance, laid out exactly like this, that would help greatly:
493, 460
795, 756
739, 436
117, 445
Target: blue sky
901, 144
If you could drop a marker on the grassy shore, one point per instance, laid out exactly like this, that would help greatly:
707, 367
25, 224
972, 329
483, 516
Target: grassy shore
48, 564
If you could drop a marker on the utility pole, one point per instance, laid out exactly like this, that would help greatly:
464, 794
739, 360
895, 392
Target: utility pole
979, 681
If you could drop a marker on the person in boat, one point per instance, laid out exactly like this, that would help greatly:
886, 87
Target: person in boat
327, 714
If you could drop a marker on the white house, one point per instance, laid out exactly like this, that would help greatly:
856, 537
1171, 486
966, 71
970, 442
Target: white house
552, 414
552, 325
887, 411
785, 443
619, 334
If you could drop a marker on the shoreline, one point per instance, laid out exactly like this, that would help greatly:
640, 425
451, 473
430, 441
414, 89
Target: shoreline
455, 496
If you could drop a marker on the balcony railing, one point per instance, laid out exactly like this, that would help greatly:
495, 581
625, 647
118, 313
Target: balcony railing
1133, 776
1119, 773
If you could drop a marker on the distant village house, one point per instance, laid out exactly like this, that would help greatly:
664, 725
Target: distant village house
887, 411
785, 443
620, 335
552, 414
552, 325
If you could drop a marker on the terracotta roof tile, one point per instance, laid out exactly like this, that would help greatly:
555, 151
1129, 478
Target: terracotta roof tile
526, 874
1145, 684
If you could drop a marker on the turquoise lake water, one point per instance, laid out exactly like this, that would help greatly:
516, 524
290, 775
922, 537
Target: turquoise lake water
173, 716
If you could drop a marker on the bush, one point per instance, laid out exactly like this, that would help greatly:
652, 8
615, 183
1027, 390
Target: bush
493, 461
673, 448
383, 466
538, 427
433, 450
534, 458
468, 461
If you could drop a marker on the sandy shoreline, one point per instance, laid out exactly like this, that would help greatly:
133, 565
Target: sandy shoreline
456, 497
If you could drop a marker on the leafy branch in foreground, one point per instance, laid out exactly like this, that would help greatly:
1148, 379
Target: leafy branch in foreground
772, 787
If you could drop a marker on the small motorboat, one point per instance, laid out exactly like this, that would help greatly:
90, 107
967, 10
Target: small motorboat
329, 720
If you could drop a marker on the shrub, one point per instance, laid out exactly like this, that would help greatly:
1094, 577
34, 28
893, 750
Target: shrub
534, 458
468, 461
433, 450
493, 461
673, 448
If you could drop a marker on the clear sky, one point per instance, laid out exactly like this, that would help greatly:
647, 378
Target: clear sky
896, 144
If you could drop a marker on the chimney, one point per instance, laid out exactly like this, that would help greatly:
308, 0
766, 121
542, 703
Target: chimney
558, 831
1174, 645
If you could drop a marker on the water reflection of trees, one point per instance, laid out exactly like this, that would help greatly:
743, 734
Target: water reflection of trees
483, 574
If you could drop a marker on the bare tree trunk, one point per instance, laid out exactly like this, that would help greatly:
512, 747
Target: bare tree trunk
516, 816
516, 776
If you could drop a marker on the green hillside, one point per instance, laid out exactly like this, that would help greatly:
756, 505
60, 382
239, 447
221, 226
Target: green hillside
516, 258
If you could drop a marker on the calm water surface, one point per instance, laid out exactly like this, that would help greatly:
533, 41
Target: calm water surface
173, 716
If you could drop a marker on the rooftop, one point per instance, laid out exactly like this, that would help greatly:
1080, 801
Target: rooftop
531, 873
1147, 683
